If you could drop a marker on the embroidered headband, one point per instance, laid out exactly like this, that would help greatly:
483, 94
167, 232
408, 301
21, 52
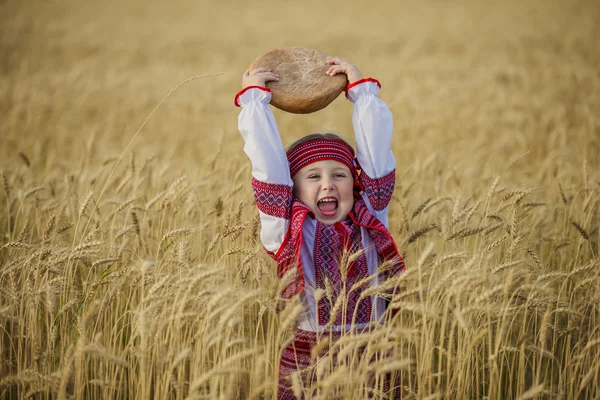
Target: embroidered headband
325, 149
318, 150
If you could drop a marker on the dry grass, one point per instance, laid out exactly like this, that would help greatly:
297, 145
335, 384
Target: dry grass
130, 264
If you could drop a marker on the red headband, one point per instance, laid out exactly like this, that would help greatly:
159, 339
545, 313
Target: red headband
321, 149
325, 149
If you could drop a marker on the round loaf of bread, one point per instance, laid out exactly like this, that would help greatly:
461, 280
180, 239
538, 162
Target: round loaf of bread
303, 85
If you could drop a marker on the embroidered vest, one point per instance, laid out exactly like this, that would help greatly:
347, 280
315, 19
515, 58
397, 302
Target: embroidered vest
289, 262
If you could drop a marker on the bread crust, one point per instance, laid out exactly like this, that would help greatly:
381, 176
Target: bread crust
303, 86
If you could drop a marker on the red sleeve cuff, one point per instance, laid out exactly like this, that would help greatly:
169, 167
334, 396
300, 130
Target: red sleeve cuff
241, 92
351, 85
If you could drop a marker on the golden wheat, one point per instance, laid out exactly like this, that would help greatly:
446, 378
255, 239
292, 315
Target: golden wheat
156, 285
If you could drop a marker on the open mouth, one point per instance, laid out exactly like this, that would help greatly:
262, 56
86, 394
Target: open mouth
328, 206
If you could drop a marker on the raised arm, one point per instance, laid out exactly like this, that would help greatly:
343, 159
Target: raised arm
271, 181
373, 127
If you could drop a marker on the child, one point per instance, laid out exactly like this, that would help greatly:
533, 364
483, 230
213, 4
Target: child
318, 200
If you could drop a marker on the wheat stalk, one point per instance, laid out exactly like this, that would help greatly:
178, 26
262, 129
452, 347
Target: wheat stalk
581, 231
33, 191
16, 245
5, 183
420, 208
421, 232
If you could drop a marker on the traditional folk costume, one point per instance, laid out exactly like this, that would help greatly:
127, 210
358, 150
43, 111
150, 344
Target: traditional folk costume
307, 249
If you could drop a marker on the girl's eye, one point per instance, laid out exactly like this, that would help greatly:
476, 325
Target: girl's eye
313, 176
340, 175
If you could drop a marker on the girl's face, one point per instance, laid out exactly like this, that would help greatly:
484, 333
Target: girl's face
326, 188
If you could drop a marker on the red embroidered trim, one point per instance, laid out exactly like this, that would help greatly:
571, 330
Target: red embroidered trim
289, 259
298, 356
330, 242
321, 149
379, 190
351, 85
276, 256
241, 92
386, 247
288, 256
273, 199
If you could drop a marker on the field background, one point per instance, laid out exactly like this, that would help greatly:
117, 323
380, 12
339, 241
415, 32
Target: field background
130, 266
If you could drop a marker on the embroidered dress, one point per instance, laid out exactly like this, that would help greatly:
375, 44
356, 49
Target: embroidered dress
298, 356
309, 250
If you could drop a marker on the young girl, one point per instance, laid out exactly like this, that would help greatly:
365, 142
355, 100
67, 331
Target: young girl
317, 201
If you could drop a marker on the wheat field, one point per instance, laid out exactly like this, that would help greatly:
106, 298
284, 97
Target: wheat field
130, 264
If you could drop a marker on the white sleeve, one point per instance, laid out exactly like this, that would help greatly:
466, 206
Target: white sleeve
373, 128
271, 183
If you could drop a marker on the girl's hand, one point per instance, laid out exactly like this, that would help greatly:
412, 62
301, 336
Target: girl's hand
342, 66
258, 77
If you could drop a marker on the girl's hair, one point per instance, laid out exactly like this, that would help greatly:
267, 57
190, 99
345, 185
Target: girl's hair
314, 136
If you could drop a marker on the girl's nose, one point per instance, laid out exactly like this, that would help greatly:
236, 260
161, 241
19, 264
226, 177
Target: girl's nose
327, 184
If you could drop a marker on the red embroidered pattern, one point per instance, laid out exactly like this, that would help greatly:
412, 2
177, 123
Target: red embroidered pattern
329, 245
384, 243
379, 190
320, 149
273, 199
299, 357
288, 256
